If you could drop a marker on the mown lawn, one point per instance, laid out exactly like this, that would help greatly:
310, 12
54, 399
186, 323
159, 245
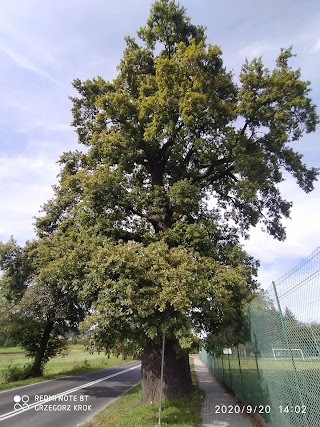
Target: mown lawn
10, 350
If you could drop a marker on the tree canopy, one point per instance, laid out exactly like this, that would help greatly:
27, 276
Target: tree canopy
38, 307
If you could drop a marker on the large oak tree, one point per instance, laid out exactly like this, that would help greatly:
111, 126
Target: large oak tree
179, 162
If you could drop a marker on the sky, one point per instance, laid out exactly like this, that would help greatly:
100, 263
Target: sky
46, 44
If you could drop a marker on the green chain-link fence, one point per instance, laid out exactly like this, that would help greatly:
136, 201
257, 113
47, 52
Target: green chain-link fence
278, 372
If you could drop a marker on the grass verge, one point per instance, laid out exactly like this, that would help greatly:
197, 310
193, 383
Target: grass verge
127, 411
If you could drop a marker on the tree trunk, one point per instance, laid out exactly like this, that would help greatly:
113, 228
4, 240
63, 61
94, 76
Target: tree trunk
176, 379
36, 369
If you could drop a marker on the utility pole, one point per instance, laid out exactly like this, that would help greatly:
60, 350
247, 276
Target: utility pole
314, 338
161, 379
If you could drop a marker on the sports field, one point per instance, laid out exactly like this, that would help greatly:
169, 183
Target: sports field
290, 391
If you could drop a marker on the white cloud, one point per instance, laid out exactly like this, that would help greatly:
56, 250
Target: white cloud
257, 49
303, 235
23, 61
25, 184
315, 47
19, 167
51, 127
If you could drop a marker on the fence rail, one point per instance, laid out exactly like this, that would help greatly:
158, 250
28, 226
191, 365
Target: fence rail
277, 373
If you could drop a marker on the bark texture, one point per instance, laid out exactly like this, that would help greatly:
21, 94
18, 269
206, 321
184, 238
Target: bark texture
176, 379
36, 369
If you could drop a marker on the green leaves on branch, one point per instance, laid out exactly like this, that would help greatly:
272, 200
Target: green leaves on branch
147, 291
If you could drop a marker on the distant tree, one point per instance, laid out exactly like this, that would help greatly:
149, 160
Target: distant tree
265, 324
16, 270
37, 307
301, 335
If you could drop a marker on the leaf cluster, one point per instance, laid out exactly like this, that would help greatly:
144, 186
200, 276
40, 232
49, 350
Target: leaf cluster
148, 291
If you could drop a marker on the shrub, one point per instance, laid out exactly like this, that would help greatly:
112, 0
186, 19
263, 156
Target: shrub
16, 372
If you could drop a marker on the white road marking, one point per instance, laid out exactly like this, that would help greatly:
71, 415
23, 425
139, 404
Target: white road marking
52, 398
30, 385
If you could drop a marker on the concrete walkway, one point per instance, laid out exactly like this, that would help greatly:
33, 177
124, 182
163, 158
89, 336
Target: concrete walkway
215, 397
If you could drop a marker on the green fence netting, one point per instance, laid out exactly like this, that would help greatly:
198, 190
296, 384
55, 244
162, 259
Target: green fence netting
278, 372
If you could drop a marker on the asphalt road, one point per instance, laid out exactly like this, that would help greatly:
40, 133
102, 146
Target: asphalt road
68, 401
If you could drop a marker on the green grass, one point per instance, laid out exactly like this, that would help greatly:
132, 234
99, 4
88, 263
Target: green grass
8, 350
127, 411
75, 362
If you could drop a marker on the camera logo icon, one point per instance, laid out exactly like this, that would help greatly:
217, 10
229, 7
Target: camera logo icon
21, 402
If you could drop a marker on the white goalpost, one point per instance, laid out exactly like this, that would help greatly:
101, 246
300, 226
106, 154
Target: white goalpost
287, 353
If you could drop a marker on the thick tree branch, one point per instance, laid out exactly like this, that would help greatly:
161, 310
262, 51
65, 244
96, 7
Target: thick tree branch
210, 169
160, 222
249, 120
165, 149
188, 156
222, 174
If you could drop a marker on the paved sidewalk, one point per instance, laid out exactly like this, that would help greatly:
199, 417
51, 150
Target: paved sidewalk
217, 395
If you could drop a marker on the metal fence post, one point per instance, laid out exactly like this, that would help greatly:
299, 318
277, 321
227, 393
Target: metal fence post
240, 370
285, 332
161, 379
222, 367
255, 346
230, 371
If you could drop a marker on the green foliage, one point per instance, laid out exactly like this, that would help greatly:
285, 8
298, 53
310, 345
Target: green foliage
170, 132
127, 411
48, 307
16, 372
25, 323
17, 271
145, 291
169, 25
168, 121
